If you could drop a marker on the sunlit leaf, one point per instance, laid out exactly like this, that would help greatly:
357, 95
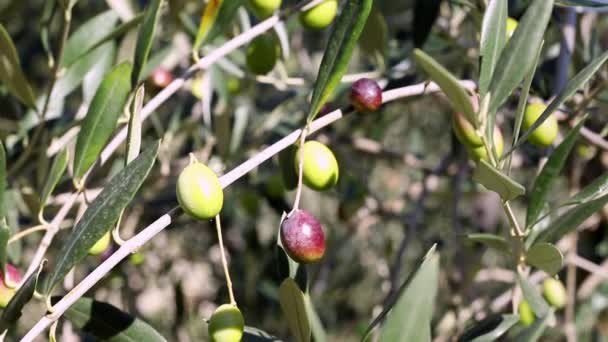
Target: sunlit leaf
493, 39
294, 308
490, 329
534, 298
145, 37
546, 257
493, 179
57, 170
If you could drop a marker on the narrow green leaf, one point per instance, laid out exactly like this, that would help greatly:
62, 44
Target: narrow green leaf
570, 220
494, 180
571, 87
5, 234
598, 187
342, 41
57, 169
391, 302
95, 75
144, 39
535, 331
490, 329
294, 308
215, 19
105, 34
374, 38
496, 242
74, 74
207, 20
318, 332
68, 4
2, 179
493, 39
448, 83
24, 294
11, 73
546, 257
518, 55
252, 334
100, 121
108, 323
101, 215
551, 170
134, 128
534, 298
87, 37
405, 324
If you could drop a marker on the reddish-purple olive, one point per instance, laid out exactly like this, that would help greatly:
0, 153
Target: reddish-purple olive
161, 77
366, 95
302, 237
7, 292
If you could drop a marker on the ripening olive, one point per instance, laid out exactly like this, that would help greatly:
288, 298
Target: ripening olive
264, 8
511, 26
321, 169
302, 237
526, 315
320, 16
480, 152
464, 131
226, 324
262, 54
546, 133
199, 191
366, 95
13, 278
101, 245
161, 77
555, 292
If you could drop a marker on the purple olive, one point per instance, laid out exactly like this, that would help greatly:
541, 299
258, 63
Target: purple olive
366, 95
302, 237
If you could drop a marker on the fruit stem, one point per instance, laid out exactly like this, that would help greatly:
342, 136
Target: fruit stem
116, 231
296, 203
218, 227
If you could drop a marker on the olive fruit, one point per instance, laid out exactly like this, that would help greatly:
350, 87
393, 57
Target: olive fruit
264, 8
287, 159
226, 324
526, 315
320, 16
137, 258
554, 292
262, 54
546, 133
13, 278
199, 191
302, 237
464, 131
366, 95
161, 77
321, 169
197, 87
511, 26
101, 245
480, 152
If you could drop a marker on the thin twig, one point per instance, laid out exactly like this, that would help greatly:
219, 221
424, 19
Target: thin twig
218, 227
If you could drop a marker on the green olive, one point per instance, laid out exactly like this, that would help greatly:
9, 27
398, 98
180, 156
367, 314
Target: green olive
196, 87
262, 54
264, 8
511, 26
226, 324
480, 152
199, 191
320, 16
464, 130
546, 133
555, 292
321, 169
101, 245
526, 315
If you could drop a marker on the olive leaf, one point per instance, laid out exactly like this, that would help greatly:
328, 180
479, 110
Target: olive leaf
493, 39
534, 298
218, 14
134, 128
598, 187
490, 329
251, 334
448, 83
24, 294
101, 119
550, 171
342, 41
5, 233
144, 40
374, 38
496, 242
87, 37
11, 73
58, 168
294, 307
108, 323
546, 257
101, 214
93, 78
318, 332
493, 179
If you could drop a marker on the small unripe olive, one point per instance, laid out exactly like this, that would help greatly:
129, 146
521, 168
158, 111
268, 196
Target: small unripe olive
302, 237
199, 191
511, 26
464, 131
262, 54
161, 77
546, 133
526, 315
264, 8
233, 85
197, 87
320, 16
555, 292
137, 258
226, 324
13, 278
287, 159
480, 152
366, 95
321, 169
101, 245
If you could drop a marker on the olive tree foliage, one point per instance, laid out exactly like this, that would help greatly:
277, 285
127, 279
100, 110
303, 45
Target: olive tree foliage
443, 211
